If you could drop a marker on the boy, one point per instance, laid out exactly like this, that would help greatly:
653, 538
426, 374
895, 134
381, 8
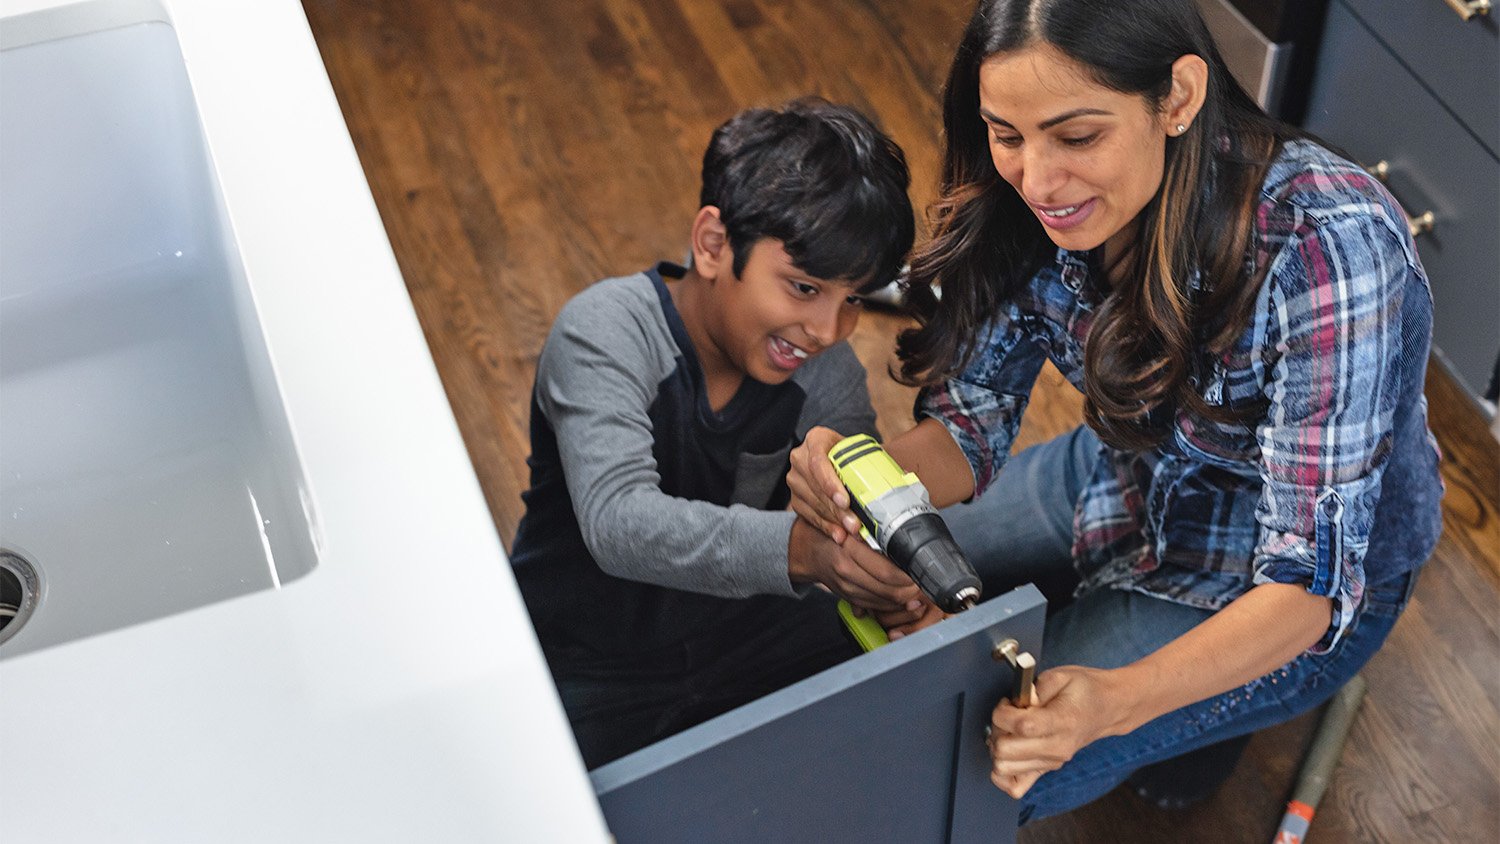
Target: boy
660, 566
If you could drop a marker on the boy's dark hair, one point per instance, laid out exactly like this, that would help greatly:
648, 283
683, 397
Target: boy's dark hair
820, 178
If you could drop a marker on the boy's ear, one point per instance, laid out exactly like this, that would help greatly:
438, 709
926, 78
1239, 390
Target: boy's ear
711, 252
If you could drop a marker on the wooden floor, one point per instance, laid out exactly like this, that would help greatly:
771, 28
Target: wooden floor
519, 150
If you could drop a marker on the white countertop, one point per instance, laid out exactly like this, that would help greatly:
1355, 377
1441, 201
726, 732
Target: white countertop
396, 691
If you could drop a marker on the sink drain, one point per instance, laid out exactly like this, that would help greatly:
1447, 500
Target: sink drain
20, 590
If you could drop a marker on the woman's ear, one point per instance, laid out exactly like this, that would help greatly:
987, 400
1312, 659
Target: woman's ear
711, 250
1189, 88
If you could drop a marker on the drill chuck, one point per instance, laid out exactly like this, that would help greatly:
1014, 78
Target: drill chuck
899, 520
934, 561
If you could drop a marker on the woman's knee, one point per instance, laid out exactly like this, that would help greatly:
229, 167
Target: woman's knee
1021, 529
1110, 628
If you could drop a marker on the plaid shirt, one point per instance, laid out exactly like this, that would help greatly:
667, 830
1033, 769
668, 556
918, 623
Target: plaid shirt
1325, 366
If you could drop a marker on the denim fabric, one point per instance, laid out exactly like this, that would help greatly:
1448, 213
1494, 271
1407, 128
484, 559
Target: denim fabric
1285, 693
1020, 531
1329, 481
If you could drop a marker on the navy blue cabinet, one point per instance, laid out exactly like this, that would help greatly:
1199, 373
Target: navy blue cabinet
886, 747
1411, 84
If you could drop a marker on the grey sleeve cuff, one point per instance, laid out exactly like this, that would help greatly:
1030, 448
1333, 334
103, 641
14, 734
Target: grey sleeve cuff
763, 536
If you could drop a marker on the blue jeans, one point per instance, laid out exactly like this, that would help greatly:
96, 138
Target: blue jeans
1021, 531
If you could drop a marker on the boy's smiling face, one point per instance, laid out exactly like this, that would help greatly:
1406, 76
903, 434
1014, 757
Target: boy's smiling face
774, 317
764, 324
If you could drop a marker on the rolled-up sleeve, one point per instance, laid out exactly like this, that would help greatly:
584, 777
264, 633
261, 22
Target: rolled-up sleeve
982, 406
1333, 361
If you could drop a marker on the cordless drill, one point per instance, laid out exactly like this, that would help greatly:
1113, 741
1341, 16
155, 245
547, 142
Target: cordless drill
899, 520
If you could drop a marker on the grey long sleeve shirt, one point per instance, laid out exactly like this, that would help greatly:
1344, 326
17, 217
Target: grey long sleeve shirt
647, 510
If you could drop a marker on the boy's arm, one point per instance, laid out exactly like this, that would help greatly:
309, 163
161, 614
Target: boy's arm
596, 380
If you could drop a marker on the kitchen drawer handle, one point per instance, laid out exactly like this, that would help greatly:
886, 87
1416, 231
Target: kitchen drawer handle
1418, 225
1470, 9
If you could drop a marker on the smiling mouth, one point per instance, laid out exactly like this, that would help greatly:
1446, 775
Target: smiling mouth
787, 355
1065, 216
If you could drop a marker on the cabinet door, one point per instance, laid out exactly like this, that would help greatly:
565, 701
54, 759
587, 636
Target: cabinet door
886, 747
1365, 101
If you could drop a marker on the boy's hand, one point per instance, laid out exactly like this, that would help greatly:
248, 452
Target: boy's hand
852, 570
817, 493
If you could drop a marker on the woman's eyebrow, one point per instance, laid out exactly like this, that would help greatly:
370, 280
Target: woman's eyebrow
1051, 121
990, 118
1069, 115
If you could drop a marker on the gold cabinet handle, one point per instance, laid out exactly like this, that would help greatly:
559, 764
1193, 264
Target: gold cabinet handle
1024, 666
1418, 225
1470, 9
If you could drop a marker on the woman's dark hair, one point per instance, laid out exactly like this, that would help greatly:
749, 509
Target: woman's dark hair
987, 243
823, 180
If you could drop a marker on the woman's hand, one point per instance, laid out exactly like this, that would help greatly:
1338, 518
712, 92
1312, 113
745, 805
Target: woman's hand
817, 493
928, 451
1258, 632
1072, 707
911, 619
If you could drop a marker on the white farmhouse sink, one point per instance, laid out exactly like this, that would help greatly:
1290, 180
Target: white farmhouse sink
146, 466
273, 603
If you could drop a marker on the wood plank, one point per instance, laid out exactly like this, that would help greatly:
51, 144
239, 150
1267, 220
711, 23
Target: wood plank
519, 151
1471, 469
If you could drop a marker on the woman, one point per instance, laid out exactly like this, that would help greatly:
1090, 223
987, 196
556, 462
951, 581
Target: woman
1256, 488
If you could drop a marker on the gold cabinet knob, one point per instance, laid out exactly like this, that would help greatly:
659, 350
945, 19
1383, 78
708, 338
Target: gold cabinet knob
1418, 225
1470, 9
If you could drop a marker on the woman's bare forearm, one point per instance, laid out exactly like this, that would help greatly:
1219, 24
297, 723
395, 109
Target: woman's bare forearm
1255, 634
928, 451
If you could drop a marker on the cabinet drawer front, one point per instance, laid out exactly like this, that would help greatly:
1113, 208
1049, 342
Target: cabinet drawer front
1367, 103
1457, 59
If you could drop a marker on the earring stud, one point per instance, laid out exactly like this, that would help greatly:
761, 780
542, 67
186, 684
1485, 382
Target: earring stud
1181, 128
